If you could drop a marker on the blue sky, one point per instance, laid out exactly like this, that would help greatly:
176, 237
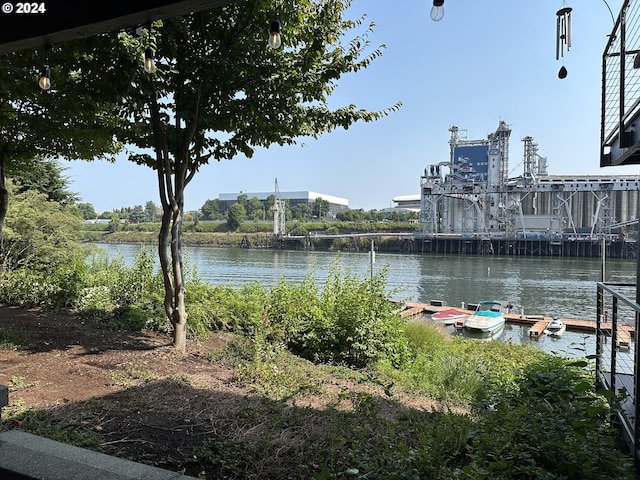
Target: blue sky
486, 61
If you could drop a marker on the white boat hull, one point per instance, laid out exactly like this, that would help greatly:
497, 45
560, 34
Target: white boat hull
482, 336
483, 325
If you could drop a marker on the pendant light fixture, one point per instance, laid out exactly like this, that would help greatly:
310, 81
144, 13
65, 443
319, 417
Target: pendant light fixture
274, 35
149, 61
437, 10
45, 78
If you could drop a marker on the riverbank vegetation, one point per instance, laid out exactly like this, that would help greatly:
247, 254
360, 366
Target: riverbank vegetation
323, 235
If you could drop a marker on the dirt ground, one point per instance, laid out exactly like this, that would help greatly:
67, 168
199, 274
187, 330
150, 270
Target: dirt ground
144, 400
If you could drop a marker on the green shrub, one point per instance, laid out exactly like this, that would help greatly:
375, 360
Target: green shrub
425, 337
55, 289
299, 230
552, 421
239, 311
352, 322
124, 297
292, 309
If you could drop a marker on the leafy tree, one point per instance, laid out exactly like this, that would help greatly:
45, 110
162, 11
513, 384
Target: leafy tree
114, 224
255, 209
137, 214
43, 261
211, 210
219, 92
39, 233
235, 216
75, 119
350, 215
110, 215
301, 211
270, 202
242, 199
321, 207
151, 211
45, 176
374, 215
86, 211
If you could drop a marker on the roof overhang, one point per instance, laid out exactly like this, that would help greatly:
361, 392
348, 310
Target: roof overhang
71, 19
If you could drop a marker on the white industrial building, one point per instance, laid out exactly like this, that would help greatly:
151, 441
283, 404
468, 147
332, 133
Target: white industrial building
336, 204
471, 194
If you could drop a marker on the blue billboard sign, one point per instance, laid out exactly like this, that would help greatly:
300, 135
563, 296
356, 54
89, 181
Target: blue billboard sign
471, 162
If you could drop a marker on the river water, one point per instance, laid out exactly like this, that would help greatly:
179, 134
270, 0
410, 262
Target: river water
559, 287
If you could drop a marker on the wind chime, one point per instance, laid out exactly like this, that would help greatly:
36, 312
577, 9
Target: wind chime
563, 36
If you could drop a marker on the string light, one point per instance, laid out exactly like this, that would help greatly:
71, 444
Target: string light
149, 63
437, 10
45, 78
274, 35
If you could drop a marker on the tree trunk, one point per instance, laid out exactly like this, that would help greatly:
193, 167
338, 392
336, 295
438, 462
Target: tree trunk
179, 333
163, 256
4, 206
173, 177
172, 272
179, 319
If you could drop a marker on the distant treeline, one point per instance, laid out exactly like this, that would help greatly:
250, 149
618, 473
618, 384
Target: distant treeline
260, 235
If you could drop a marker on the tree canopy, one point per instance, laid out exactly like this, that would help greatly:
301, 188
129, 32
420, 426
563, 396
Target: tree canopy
75, 119
218, 92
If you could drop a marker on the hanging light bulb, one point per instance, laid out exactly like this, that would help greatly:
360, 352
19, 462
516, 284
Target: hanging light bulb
437, 11
149, 63
274, 35
45, 78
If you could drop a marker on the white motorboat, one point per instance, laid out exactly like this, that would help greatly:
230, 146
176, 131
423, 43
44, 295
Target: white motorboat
555, 328
489, 316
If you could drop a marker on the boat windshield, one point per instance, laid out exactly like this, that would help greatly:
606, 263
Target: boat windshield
484, 306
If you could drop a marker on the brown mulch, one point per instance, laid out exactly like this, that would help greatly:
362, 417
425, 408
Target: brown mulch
132, 388
146, 401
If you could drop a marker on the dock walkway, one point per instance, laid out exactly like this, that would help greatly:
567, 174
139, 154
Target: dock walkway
537, 323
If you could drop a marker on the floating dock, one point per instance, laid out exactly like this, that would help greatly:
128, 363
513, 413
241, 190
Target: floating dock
536, 323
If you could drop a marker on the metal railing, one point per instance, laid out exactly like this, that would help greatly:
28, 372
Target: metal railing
621, 87
616, 363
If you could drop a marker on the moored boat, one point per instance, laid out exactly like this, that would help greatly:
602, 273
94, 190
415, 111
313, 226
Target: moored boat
555, 328
483, 336
489, 316
449, 316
